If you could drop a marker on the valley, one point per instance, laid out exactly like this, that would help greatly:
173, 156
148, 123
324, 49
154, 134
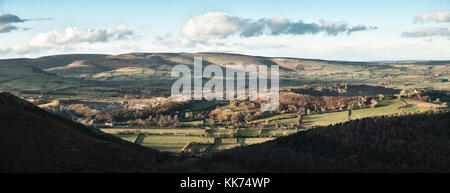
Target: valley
128, 96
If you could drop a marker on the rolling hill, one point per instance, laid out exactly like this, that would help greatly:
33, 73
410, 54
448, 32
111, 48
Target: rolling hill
415, 143
116, 75
33, 140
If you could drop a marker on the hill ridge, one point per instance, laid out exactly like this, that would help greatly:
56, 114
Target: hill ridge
33, 140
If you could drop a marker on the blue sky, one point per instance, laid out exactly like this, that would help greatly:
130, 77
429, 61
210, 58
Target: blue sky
157, 26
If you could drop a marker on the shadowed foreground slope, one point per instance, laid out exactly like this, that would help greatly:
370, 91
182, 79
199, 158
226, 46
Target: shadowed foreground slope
416, 143
33, 140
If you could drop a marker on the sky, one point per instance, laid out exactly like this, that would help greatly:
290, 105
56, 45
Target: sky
321, 29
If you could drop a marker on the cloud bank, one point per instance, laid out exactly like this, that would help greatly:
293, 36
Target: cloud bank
222, 25
439, 17
8, 20
430, 32
71, 36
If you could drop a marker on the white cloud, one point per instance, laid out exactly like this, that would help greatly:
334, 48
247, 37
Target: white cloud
219, 25
361, 28
334, 28
440, 17
278, 25
428, 32
222, 25
73, 36
54, 41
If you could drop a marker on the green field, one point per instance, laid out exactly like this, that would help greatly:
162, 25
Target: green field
276, 117
250, 132
229, 140
172, 143
228, 143
176, 139
385, 107
192, 123
276, 132
173, 140
182, 132
251, 141
127, 73
221, 132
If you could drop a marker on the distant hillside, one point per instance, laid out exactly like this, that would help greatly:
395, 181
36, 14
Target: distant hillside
222, 59
52, 61
416, 143
94, 75
169, 59
33, 140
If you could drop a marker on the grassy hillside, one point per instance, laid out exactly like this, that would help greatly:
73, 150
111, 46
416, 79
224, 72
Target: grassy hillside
32, 140
119, 75
416, 143
52, 61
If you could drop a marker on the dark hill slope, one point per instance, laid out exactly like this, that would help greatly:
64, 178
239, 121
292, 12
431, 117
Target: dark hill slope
416, 143
33, 140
